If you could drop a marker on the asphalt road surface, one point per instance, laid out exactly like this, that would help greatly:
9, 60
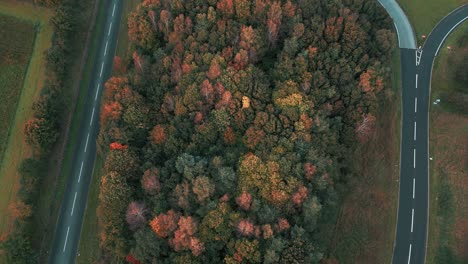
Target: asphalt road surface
416, 69
406, 38
68, 227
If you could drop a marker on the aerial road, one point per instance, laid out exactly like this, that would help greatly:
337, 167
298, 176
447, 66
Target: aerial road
416, 70
68, 227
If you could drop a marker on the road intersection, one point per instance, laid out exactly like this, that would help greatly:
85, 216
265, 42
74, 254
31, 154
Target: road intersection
416, 71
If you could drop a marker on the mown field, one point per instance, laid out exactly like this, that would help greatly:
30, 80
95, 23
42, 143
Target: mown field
448, 224
16, 43
366, 222
30, 35
425, 14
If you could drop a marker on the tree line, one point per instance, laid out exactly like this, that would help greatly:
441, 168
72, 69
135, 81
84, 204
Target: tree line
41, 133
228, 131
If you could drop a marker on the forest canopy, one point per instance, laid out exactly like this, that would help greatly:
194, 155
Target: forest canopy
228, 131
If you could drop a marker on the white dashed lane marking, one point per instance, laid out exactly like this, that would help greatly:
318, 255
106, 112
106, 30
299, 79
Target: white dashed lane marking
412, 219
409, 254
414, 131
73, 206
105, 50
416, 81
97, 91
102, 68
81, 170
86, 145
415, 104
110, 28
66, 239
92, 116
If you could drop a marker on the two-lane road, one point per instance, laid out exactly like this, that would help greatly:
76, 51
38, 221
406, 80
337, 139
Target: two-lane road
416, 71
68, 228
410, 242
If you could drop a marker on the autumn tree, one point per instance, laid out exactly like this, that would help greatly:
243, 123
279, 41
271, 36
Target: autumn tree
365, 127
135, 215
113, 200
245, 227
41, 133
300, 195
244, 250
184, 236
124, 162
244, 200
203, 188
274, 22
226, 7
214, 70
140, 30
150, 181
19, 210
164, 224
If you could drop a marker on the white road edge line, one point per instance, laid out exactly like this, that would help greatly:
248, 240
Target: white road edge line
416, 81
414, 130
86, 145
81, 170
105, 50
412, 219
414, 186
113, 10
66, 239
448, 33
414, 158
110, 28
398, 33
92, 116
415, 104
409, 255
73, 206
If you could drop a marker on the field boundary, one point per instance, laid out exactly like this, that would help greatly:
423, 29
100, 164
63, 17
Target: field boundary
16, 148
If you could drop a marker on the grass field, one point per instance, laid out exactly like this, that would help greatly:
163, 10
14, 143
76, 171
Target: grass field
16, 44
16, 149
365, 229
89, 243
425, 14
448, 224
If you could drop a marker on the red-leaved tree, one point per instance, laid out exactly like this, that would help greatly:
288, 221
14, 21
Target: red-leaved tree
164, 224
245, 227
300, 196
244, 200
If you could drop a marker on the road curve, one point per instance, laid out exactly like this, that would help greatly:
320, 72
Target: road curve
68, 227
413, 209
406, 38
